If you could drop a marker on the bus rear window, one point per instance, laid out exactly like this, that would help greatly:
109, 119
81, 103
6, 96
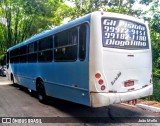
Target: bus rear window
124, 34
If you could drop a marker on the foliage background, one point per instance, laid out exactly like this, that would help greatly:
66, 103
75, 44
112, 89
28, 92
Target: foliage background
25, 18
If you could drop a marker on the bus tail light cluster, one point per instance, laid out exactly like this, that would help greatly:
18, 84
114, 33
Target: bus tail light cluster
103, 87
100, 81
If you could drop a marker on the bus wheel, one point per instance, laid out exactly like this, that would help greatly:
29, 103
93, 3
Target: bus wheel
41, 92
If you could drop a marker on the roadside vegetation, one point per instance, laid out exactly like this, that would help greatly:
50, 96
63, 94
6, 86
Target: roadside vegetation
156, 90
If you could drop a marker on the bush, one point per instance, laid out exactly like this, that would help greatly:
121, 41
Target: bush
156, 90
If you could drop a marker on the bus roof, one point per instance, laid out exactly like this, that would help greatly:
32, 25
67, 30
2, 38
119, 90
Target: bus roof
70, 24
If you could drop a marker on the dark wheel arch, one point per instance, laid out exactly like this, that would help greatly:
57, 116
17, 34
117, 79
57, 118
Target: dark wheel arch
12, 78
40, 90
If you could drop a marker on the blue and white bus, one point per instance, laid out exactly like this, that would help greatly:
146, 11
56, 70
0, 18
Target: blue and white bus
99, 59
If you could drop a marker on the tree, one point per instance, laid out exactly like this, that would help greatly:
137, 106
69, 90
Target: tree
25, 18
154, 22
83, 7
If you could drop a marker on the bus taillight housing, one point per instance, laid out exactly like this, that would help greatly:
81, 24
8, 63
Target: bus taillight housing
100, 82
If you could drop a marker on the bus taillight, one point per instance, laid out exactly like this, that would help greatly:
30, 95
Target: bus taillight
100, 81
97, 75
103, 87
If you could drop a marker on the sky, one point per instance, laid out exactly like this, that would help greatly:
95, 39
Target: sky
140, 6
3, 21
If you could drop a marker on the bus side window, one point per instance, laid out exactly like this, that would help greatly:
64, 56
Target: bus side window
82, 42
11, 56
23, 54
45, 53
32, 52
65, 45
16, 55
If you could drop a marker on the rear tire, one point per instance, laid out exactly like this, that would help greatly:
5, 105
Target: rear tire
41, 92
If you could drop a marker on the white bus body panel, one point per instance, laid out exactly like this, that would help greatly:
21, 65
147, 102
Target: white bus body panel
104, 99
117, 66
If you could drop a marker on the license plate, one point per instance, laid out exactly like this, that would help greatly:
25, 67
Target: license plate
128, 83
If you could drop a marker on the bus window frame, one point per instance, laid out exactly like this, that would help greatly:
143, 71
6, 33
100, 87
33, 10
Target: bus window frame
87, 40
39, 51
68, 45
35, 43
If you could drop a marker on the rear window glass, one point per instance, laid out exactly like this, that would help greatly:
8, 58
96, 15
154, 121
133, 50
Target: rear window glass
124, 34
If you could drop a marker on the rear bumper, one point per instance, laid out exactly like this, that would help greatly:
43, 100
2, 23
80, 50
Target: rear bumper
104, 99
